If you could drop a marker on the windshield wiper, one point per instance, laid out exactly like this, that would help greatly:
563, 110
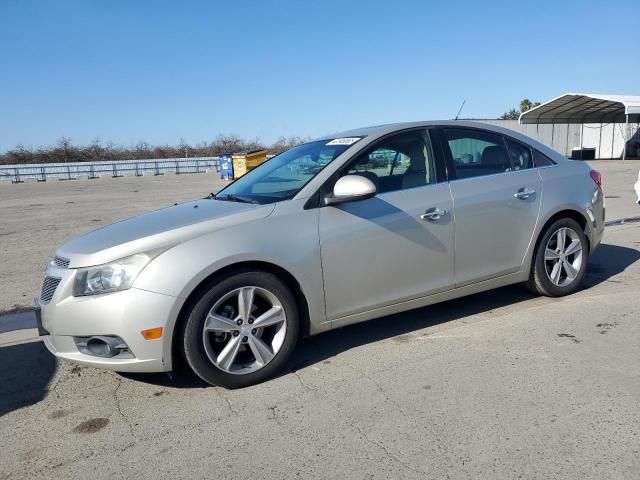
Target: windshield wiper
236, 198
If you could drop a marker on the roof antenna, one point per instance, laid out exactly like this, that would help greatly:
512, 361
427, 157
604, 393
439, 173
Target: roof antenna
463, 102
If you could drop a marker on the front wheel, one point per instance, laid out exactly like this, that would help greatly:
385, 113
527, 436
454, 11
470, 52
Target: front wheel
242, 330
560, 259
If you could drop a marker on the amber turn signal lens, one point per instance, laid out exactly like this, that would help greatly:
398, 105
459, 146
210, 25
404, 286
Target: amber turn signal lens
152, 333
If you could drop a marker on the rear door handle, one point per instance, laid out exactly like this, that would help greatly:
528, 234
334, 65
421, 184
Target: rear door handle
524, 193
434, 214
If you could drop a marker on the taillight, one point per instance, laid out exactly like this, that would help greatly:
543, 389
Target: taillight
597, 177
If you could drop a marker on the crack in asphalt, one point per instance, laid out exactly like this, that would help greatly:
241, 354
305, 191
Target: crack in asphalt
274, 416
362, 432
384, 448
390, 455
227, 401
281, 423
304, 385
373, 381
118, 404
66, 463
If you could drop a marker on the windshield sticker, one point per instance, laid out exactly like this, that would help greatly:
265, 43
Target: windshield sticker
344, 141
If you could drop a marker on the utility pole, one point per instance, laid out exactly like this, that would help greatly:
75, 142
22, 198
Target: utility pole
624, 137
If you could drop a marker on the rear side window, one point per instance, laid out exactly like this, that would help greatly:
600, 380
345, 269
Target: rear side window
521, 157
541, 160
476, 153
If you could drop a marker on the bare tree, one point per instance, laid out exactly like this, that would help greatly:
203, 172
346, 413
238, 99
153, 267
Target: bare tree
227, 144
142, 150
64, 143
110, 148
283, 143
65, 151
96, 149
184, 147
19, 154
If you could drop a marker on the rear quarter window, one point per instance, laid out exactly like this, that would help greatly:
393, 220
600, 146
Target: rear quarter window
541, 160
520, 154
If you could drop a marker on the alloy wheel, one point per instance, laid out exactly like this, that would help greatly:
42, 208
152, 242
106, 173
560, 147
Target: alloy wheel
244, 330
563, 256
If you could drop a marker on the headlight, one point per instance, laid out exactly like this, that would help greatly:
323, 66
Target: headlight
111, 277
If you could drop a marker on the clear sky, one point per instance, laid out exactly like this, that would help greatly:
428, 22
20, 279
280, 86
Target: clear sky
158, 71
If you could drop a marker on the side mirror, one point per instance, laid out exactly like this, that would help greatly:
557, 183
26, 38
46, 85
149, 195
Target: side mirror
351, 188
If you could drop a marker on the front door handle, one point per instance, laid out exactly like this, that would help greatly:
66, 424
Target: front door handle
524, 193
434, 214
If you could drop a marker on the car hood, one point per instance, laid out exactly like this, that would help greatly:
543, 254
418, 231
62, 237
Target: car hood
158, 229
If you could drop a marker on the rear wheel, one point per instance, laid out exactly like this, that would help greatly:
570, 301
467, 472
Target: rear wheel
242, 330
560, 259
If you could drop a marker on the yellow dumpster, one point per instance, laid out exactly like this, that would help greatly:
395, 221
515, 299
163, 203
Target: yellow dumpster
245, 161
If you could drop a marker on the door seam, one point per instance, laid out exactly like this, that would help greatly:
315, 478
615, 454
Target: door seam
455, 237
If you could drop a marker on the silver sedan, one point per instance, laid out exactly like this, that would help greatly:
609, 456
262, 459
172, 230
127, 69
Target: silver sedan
343, 229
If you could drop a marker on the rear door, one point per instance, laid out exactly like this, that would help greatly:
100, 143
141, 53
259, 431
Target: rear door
496, 195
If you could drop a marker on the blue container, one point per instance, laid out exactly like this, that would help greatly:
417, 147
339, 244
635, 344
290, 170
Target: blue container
226, 167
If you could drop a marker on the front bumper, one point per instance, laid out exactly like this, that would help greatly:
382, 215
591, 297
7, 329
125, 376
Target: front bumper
124, 314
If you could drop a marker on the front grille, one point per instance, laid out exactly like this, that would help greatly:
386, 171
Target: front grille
61, 262
48, 289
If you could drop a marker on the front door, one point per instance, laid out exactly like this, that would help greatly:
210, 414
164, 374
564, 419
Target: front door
392, 247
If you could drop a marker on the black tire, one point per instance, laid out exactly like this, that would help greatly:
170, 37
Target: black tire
194, 349
539, 282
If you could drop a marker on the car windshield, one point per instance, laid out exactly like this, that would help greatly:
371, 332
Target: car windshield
284, 175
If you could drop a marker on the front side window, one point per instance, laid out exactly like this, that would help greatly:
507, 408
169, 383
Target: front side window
283, 176
398, 162
476, 153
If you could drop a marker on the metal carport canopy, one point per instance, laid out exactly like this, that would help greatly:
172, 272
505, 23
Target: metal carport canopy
585, 108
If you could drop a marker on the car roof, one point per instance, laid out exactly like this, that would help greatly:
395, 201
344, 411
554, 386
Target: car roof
380, 130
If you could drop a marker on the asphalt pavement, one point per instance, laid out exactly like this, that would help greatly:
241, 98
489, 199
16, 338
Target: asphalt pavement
498, 385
